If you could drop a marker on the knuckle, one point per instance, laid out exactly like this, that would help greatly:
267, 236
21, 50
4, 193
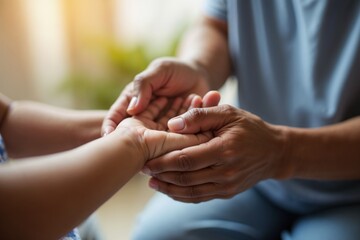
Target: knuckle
162, 63
138, 82
226, 108
182, 179
195, 113
193, 192
229, 150
138, 78
184, 162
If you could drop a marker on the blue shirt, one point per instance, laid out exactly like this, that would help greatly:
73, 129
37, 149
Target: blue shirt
297, 63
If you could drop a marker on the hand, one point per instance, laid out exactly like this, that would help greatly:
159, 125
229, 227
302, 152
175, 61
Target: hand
244, 151
149, 127
165, 77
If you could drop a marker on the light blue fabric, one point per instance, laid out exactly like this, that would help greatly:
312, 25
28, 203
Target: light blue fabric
236, 218
73, 235
247, 216
297, 64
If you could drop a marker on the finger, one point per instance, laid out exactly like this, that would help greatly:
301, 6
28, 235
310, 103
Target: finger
195, 103
187, 103
154, 109
202, 119
185, 179
116, 114
144, 86
192, 192
171, 112
172, 141
198, 200
188, 159
211, 99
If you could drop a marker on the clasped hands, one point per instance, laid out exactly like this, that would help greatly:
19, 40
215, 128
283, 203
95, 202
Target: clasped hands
208, 153
149, 128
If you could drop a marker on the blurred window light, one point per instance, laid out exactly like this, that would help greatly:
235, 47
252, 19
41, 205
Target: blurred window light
54, 34
47, 43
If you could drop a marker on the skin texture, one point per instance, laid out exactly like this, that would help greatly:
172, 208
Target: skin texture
245, 149
47, 196
29, 126
177, 77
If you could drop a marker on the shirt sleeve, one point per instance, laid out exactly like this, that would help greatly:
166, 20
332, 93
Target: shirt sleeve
216, 9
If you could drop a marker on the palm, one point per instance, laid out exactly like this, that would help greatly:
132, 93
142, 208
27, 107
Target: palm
156, 116
150, 127
166, 77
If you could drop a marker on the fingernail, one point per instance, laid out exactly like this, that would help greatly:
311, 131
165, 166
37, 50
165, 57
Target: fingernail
176, 124
132, 103
107, 131
146, 171
153, 184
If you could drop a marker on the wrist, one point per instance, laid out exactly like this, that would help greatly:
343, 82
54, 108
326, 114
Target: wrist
131, 140
203, 76
284, 166
200, 69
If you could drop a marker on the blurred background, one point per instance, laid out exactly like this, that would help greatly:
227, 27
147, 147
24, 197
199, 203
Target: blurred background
80, 54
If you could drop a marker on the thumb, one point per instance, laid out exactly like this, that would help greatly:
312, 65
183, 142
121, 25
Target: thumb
200, 120
142, 91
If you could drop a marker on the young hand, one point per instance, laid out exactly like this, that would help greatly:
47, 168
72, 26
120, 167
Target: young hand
167, 77
149, 127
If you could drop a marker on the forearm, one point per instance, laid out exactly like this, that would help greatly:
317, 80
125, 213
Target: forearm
328, 153
31, 129
206, 46
65, 187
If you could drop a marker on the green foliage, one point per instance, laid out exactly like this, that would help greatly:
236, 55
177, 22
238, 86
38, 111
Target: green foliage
120, 65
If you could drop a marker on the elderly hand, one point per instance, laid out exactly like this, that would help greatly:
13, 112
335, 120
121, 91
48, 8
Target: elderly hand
166, 77
244, 151
149, 127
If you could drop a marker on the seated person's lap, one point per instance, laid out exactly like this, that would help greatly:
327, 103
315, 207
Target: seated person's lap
335, 223
246, 216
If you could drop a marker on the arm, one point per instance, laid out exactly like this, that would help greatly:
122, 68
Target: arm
45, 197
67, 187
203, 63
206, 46
329, 153
31, 129
246, 150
